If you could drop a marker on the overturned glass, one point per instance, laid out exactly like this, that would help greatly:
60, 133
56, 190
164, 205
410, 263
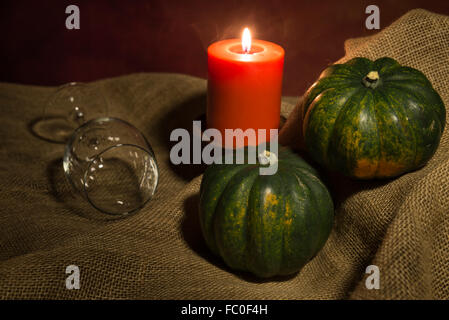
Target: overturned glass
111, 164
67, 108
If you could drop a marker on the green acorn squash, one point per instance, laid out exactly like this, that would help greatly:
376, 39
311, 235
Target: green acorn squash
372, 119
265, 224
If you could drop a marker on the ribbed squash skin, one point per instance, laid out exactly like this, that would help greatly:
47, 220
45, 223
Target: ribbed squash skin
377, 131
265, 224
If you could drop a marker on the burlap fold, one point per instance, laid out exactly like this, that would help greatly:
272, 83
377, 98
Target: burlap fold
401, 225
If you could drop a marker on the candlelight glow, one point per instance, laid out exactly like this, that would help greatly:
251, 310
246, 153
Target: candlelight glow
246, 41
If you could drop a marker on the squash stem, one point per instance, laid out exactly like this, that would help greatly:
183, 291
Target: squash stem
266, 158
371, 80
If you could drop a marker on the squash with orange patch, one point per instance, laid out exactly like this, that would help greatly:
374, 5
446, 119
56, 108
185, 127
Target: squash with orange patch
265, 224
372, 119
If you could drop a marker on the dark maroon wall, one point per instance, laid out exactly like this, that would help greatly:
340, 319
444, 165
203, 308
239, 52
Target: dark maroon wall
120, 37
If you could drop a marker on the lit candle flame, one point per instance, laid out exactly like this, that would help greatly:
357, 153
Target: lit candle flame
246, 41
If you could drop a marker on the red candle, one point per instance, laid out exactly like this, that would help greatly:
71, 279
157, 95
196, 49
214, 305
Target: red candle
244, 84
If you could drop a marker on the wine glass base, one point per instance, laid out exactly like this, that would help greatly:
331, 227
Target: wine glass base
56, 129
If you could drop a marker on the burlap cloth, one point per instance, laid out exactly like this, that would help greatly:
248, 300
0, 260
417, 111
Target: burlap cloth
402, 225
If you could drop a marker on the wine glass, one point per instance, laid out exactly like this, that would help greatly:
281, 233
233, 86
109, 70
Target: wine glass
70, 106
111, 164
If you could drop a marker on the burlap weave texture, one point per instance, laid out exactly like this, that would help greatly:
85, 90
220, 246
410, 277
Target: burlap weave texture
400, 225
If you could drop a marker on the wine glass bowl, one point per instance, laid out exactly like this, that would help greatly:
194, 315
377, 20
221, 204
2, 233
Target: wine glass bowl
111, 164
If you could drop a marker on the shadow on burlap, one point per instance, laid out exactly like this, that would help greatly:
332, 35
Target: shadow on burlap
400, 225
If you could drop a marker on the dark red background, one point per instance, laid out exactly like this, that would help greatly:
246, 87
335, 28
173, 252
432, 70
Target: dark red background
121, 37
